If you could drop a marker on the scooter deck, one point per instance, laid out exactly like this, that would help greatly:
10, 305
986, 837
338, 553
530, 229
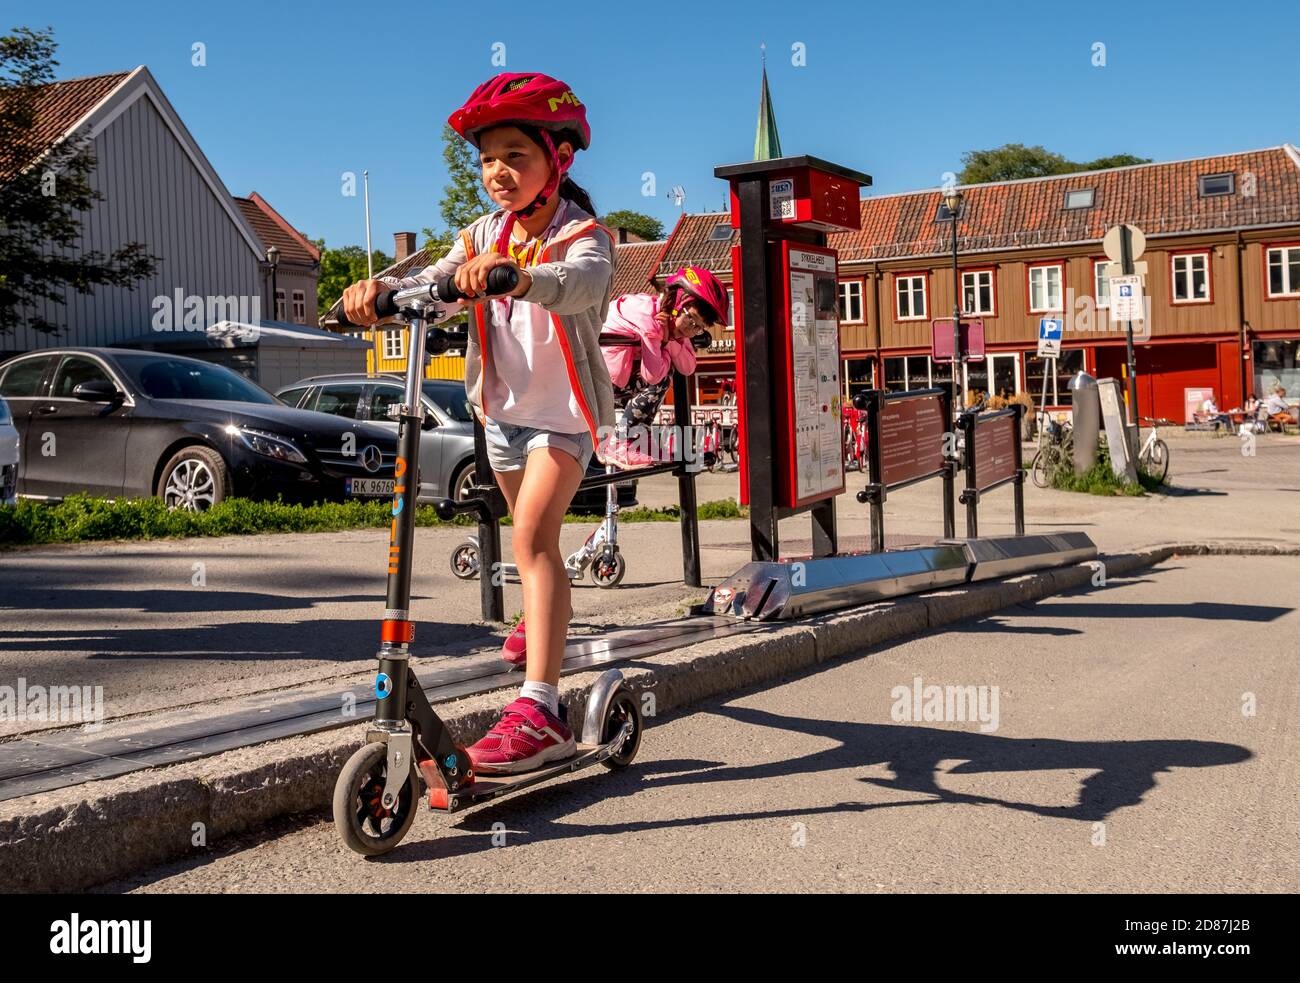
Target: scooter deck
486, 787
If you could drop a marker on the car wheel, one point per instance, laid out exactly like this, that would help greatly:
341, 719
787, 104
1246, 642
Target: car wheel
195, 478
462, 482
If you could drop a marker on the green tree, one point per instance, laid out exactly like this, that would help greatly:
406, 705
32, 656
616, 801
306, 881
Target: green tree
463, 199
650, 229
340, 268
43, 198
1014, 161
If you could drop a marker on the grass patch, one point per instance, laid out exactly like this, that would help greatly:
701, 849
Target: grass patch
83, 518
1101, 480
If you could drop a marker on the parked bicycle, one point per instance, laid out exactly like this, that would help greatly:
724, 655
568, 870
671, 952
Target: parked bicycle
1056, 452
1153, 458
855, 438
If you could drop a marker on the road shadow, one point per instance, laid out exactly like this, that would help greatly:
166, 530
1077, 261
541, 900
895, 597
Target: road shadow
1123, 772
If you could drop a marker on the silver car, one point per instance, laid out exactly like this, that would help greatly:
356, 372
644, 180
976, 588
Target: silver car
447, 444
8, 456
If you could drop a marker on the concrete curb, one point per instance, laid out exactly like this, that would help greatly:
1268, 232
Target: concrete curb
73, 838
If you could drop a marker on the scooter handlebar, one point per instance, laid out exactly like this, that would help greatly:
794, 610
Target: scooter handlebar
500, 280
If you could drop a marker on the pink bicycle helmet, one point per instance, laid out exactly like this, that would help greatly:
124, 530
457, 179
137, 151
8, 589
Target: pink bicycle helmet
526, 99
699, 284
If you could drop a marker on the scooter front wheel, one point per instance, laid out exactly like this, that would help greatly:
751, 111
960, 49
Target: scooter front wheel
364, 825
608, 571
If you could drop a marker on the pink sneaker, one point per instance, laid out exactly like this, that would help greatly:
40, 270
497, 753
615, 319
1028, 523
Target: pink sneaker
526, 737
515, 649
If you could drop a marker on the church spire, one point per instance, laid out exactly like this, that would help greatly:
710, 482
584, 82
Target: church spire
767, 142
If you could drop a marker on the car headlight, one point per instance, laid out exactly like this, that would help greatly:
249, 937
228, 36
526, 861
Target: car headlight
268, 445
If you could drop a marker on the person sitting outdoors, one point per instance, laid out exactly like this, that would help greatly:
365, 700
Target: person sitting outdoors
1210, 413
1278, 410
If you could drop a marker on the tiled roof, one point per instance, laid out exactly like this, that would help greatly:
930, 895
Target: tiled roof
273, 230
59, 106
635, 266
1161, 199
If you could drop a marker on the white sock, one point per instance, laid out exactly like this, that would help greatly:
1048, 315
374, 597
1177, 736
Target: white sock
544, 693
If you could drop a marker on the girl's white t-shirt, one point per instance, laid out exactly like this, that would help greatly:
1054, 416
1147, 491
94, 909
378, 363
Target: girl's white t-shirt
528, 383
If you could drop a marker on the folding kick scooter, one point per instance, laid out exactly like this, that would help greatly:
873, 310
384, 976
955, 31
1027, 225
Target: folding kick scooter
376, 794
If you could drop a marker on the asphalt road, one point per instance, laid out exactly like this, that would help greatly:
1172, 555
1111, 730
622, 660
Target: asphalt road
1143, 740
176, 623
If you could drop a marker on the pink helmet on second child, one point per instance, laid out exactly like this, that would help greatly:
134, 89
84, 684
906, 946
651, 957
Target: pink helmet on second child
699, 284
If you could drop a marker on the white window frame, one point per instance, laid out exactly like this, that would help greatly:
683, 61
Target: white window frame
1173, 278
279, 303
394, 343
910, 279
1289, 289
847, 295
1100, 283
1047, 299
992, 308
299, 307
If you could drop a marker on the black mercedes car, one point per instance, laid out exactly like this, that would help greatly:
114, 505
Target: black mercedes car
120, 423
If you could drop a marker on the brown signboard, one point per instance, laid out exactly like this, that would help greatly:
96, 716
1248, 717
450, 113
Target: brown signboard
995, 449
911, 438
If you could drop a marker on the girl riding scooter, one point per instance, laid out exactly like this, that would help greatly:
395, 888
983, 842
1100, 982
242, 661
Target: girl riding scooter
532, 370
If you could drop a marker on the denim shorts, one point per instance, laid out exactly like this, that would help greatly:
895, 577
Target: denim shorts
508, 446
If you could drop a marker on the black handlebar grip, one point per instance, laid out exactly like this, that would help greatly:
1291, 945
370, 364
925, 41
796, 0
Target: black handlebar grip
384, 306
500, 280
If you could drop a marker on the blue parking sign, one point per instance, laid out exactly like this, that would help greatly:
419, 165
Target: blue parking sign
1049, 337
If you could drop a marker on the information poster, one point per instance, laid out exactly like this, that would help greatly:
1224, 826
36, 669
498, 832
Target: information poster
995, 450
911, 438
815, 359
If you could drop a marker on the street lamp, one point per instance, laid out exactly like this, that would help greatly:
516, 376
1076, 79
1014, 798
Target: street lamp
273, 257
952, 199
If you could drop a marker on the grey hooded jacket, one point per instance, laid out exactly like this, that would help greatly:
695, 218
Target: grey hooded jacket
572, 281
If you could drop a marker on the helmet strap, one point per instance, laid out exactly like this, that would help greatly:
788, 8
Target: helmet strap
558, 168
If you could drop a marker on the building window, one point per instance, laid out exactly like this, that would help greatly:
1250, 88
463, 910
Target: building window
1079, 198
859, 375
1284, 271
910, 297
977, 292
1067, 366
721, 232
1215, 185
731, 304
299, 307
905, 373
1277, 363
1101, 282
1045, 288
851, 301
1191, 276
394, 343
279, 304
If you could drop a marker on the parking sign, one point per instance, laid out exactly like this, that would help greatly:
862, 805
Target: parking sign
1126, 298
1049, 337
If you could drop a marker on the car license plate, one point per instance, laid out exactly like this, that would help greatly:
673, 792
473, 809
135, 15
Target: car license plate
369, 487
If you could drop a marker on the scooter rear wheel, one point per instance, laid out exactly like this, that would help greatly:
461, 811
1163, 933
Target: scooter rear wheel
464, 561
363, 824
623, 707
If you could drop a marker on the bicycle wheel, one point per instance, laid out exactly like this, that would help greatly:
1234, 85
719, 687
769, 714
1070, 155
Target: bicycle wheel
1040, 469
1155, 460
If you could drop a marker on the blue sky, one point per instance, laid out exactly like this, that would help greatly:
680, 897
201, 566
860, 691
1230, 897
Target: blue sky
295, 94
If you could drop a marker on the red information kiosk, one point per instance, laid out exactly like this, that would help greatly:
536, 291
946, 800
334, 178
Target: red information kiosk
788, 366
